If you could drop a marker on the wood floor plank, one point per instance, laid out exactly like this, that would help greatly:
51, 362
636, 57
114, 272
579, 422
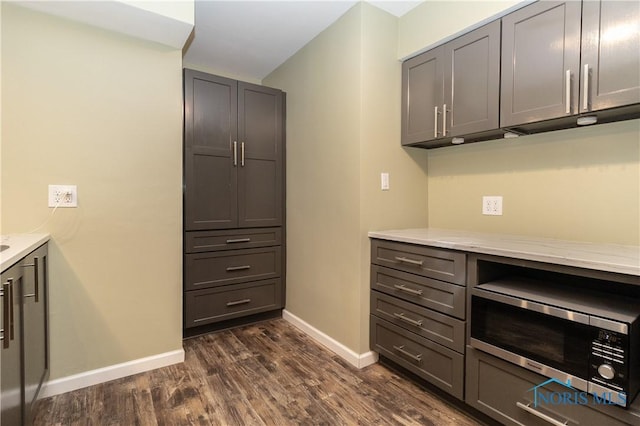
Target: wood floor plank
263, 374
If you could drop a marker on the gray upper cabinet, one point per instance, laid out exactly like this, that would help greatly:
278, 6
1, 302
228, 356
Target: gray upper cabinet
540, 62
233, 153
453, 89
422, 96
472, 82
610, 55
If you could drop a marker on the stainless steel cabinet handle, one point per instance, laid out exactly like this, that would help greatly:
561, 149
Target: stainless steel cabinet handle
416, 358
5, 314
238, 240
435, 121
11, 313
585, 95
235, 153
36, 272
567, 94
540, 415
402, 287
409, 261
238, 268
239, 302
242, 154
444, 120
401, 316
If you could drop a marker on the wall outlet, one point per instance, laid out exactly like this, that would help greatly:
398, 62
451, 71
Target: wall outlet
63, 196
492, 205
384, 181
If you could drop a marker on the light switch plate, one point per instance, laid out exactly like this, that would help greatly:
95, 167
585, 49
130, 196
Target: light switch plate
384, 181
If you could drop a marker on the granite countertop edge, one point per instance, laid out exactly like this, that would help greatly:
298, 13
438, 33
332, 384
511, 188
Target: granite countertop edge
623, 259
20, 245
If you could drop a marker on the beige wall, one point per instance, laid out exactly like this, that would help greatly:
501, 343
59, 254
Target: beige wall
577, 184
343, 96
102, 111
434, 20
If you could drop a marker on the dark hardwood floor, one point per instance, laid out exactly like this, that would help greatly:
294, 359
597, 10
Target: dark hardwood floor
264, 374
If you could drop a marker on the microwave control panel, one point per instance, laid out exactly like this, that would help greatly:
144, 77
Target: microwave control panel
608, 360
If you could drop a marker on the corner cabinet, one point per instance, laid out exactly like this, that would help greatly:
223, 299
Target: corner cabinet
453, 89
24, 351
234, 190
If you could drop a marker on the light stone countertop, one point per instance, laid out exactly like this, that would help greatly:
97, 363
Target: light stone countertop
20, 245
604, 257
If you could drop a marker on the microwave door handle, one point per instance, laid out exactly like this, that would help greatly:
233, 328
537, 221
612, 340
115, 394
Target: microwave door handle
532, 306
540, 415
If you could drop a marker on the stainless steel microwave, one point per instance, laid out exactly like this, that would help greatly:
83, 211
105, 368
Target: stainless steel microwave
587, 337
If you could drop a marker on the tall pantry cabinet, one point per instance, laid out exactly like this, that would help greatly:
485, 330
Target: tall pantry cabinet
234, 192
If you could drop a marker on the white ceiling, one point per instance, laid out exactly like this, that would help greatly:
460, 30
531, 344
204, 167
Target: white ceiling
249, 39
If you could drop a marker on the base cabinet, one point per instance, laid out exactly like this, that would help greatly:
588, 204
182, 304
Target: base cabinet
417, 308
24, 353
507, 393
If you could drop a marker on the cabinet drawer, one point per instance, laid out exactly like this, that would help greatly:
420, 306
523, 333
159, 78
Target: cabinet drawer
495, 387
442, 265
203, 270
223, 303
202, 241
437, 295
440, 328
435, 363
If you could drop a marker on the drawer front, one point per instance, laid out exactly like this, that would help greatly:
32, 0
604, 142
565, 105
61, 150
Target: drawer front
495, 387
223, 303
437, 295
442, 265
438, 365
204, 270
440, 328
232, 239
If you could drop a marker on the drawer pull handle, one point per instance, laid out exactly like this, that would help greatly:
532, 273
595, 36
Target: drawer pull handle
36, 275
238, 240
401, 316
238, 268
402, 287
540, 415
239, 302
409, 261
416, 358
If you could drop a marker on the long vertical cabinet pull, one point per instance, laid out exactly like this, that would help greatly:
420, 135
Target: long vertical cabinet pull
242, 154
235, 153
36, 280
12, 330
567, 95
444, 120
435, 121
585, 98
5, 314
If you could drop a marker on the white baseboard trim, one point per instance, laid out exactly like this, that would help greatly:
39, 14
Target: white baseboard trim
106, 374
353, 358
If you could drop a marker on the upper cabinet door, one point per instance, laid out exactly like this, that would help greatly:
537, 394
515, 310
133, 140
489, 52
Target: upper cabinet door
472, 81
610, 54
540, 62
422, 97
260, 171
211, 151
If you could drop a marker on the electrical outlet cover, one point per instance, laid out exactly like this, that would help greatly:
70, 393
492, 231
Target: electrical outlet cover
63, 196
